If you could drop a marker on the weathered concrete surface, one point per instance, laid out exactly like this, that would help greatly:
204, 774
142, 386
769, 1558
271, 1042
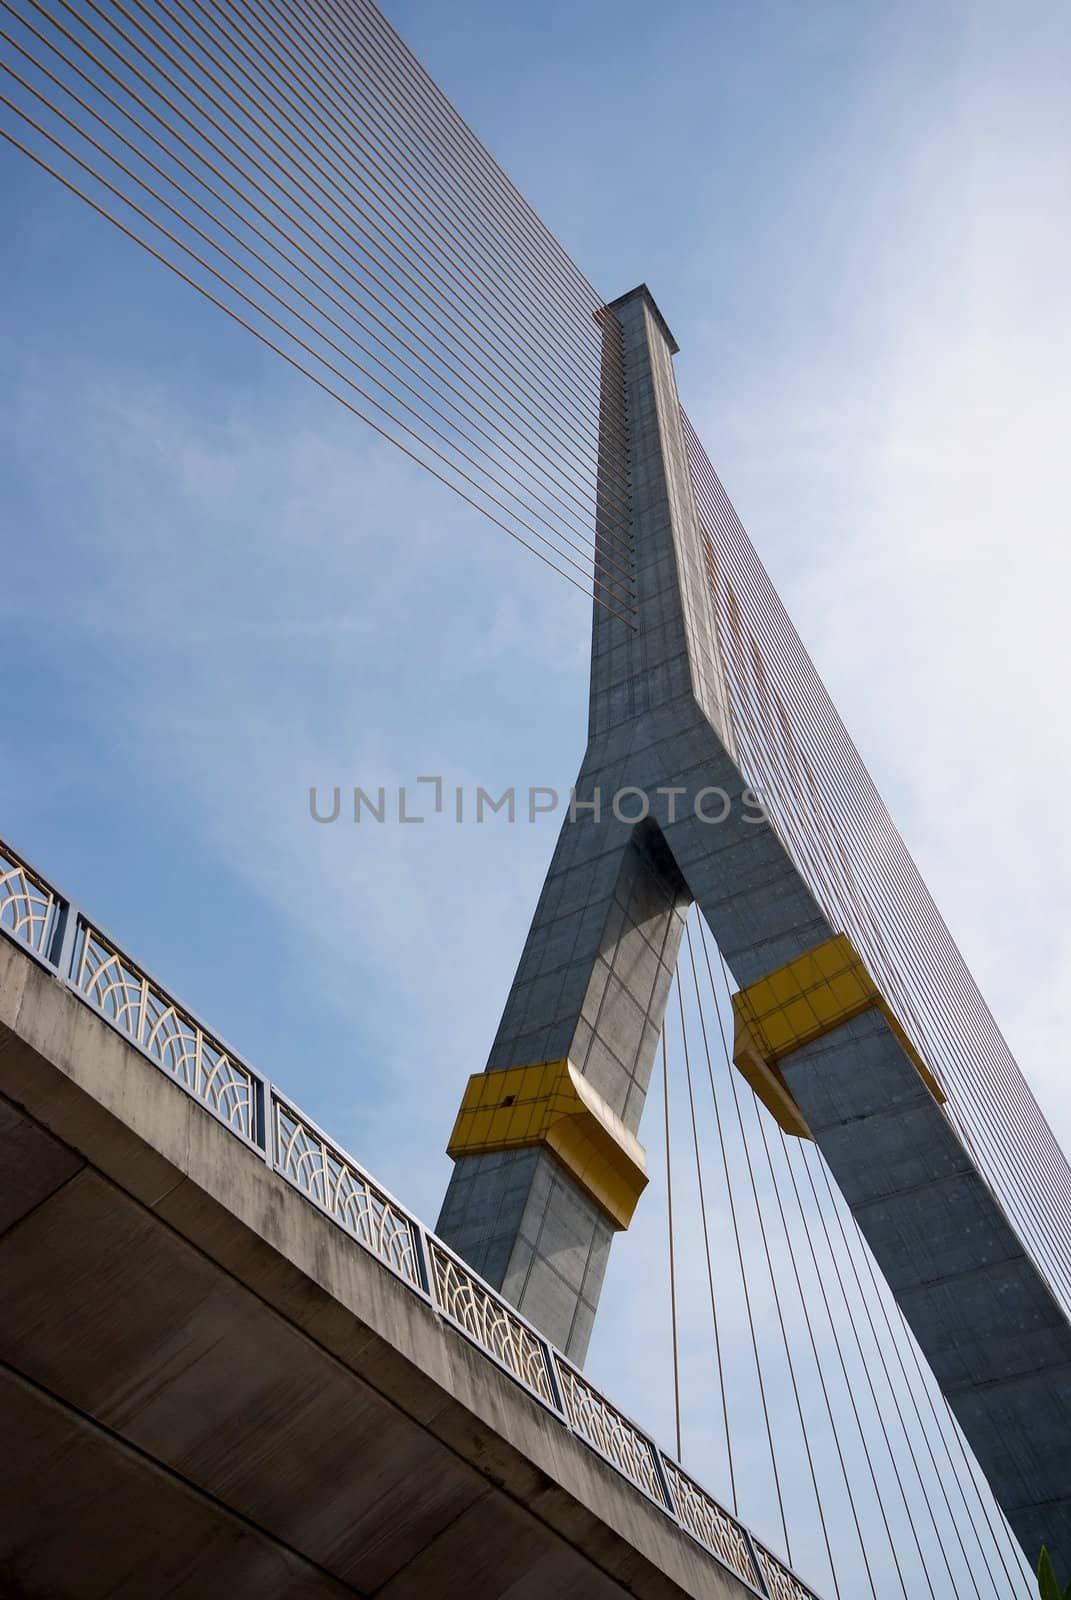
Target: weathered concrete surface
210, 1389
998, 1342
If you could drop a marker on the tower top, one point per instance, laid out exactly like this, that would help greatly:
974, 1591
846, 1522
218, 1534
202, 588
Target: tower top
641, 290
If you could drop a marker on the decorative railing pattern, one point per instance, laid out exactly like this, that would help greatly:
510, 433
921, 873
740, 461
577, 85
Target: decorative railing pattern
488, 1320
779, 1583
27, 904
603, 1426
121, 992
34, 915
305, 1159
706, 1521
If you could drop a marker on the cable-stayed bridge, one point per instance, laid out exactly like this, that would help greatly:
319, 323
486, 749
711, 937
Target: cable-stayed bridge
855, 1123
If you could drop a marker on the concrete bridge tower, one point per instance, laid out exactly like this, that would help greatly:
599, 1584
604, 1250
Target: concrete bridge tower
548, 1163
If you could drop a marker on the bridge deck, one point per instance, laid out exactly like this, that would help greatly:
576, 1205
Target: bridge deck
210, 1388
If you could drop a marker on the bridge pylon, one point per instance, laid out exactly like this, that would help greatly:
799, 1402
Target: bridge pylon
548, 1164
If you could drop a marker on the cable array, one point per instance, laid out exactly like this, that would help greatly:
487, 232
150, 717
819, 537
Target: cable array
298, 167
810, 1364
867, 1472
795, 751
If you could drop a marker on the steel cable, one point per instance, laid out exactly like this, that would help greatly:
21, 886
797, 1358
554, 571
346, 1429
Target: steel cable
269, 317
258, 334
728, 550
559, 428
452, 249
402, 66
435, 432
781, 634
864, 1301
326, 222
494, 434
672, 1254
706, 1232
722, 1146
428, 275
474, 193
778, 1306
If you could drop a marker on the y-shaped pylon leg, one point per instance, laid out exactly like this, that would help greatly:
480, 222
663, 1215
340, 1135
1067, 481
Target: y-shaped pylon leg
591, 990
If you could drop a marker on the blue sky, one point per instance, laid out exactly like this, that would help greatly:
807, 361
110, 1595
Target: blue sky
218, 589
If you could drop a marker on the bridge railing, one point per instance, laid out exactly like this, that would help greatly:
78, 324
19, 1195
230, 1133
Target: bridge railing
89, 962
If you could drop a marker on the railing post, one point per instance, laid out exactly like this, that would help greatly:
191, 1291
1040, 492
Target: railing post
422, 1256
664, 1483
552, 1380
61, 946
263, 1129
755, 1562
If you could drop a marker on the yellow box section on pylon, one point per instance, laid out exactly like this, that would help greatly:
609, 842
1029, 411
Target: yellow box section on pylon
798, 1003
552, 1104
